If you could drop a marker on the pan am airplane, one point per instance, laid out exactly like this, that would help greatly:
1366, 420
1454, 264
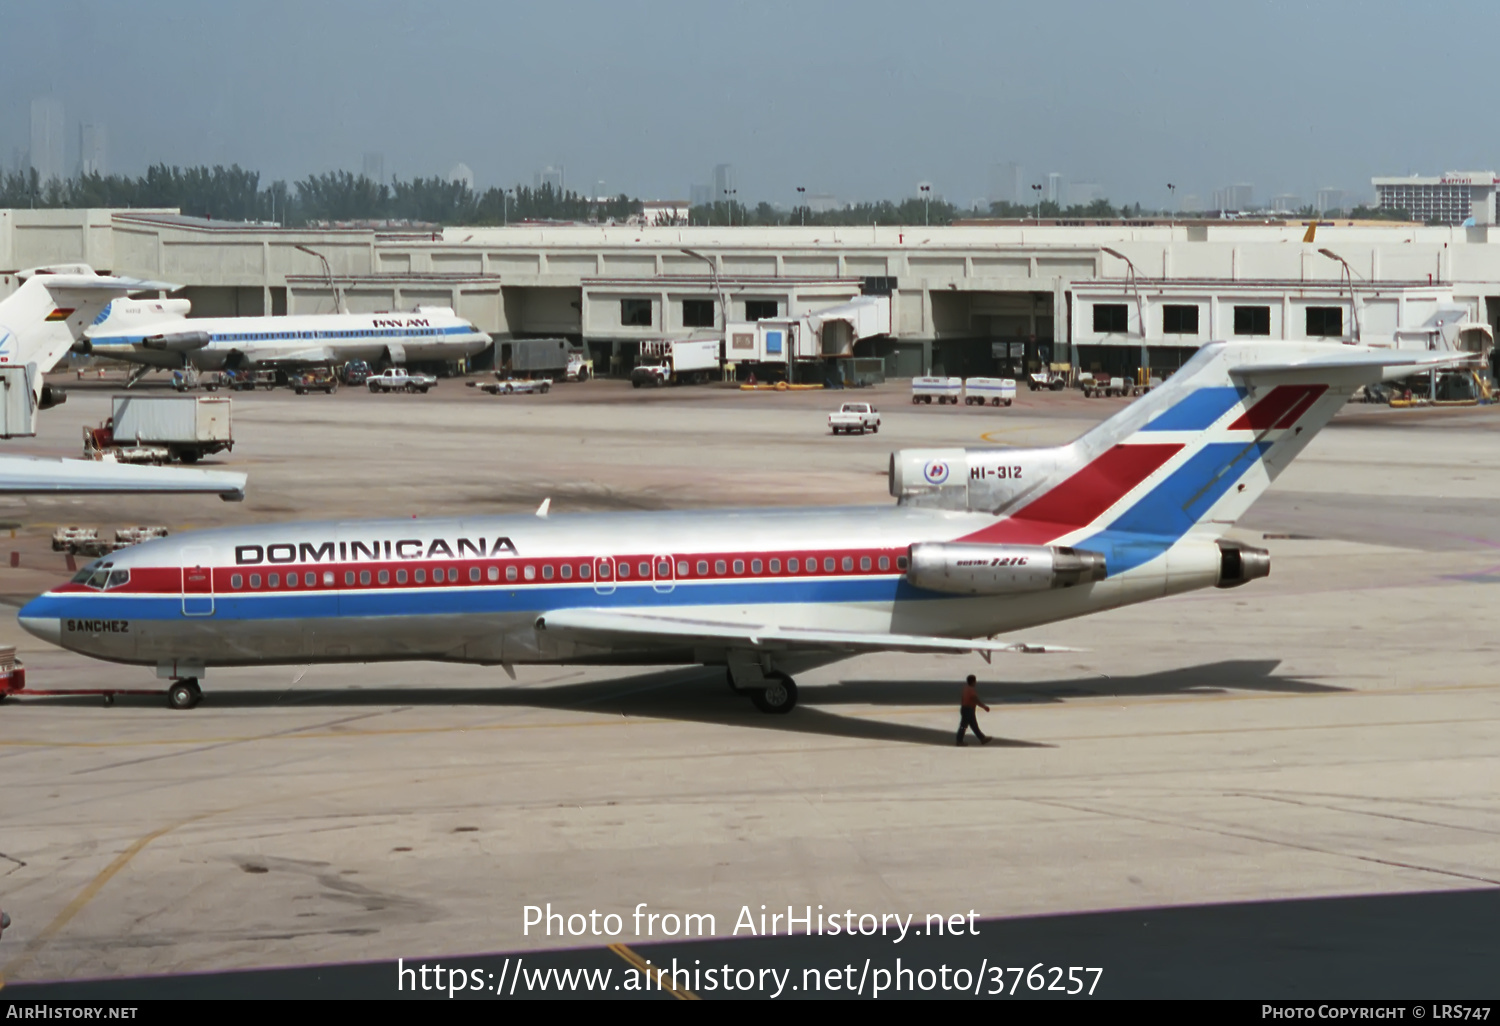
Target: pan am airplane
981, 542
157, 334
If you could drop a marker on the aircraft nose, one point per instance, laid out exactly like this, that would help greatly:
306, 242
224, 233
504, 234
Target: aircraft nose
38, 623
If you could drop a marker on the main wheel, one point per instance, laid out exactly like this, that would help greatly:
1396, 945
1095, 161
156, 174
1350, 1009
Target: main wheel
184, 694
779, 695
874, 429
1057, 386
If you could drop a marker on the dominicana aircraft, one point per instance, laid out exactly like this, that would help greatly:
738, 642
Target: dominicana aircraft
980, 542
157, 334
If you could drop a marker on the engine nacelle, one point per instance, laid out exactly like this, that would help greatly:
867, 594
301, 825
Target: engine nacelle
51, 396
182, 342
961, 568
1240, 563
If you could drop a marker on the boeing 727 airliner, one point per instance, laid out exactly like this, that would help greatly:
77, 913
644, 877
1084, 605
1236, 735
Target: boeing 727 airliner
981, 542
158, 334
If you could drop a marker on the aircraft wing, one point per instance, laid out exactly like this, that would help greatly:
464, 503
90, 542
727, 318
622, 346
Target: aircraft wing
21, 475
610, 623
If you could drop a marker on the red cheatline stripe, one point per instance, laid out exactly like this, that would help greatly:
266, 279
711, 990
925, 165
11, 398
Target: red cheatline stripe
1270, 411
62, 313
1314, 393
1082, 498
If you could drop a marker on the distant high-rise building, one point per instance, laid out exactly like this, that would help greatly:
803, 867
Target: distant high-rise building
1190, 203
1452, 198
700, 195
47, 138
461, 173
92, 144
551, 177
1286, 203
374, 166
1329, 199
724, 185
1240, 196
1053, 192
1006, 185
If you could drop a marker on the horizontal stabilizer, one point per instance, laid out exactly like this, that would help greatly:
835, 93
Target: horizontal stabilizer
20, 475
1393, 362
652, 627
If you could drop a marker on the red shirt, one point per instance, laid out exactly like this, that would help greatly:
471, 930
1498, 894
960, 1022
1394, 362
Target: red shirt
971, 698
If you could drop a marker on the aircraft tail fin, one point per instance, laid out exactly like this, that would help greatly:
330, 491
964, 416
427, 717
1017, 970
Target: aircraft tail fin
1190, 457
41, 320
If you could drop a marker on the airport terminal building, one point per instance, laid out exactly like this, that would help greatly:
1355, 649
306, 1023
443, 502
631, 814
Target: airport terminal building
976, 299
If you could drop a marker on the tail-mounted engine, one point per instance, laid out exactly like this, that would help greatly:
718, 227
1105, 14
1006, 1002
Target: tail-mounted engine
1240, 563
981, 480
959, 568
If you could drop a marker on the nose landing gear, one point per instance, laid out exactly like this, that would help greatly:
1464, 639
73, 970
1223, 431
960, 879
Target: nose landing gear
184, 694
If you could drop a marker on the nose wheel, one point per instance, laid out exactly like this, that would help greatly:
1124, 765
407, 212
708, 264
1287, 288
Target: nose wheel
184, 694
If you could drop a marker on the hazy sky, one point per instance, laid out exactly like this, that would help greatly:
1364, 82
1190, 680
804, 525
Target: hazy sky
859, 99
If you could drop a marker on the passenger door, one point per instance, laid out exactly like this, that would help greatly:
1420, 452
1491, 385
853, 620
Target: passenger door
197, 581
663, 577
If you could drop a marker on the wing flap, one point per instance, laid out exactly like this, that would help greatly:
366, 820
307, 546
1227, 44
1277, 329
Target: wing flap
652, 626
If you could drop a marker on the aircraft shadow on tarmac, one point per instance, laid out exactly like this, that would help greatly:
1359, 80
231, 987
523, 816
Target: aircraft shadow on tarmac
696, 695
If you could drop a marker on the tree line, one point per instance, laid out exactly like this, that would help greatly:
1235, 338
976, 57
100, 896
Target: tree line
236, 194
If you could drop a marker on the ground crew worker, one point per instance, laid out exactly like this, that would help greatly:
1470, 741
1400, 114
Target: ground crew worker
967, 720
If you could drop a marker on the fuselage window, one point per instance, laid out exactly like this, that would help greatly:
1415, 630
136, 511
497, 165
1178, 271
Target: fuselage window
420, 576
682, 568
273, 581
702, 567
739, 566
530, 573
755, 566
775, 566
364, 577
348, 578
453, 575
900, 562
400, 576
547, 572
604, 571
236, 581
327, 578
493, 573
885, 562
255, 580
291, 580
474, 574
792, 565
625, 570
585, 571
567, 571
848, 562
827, 563
510, 573
385, 577
719, 566
644, 568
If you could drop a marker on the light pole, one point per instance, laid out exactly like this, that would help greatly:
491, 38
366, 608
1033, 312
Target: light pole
802, 204
1140, 309
505, 195
729, 195
1038, 190
1348, 273
1172, 203
338, 302
926, 191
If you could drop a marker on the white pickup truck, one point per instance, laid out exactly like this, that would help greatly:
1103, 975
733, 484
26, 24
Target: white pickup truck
399, 379
854, 417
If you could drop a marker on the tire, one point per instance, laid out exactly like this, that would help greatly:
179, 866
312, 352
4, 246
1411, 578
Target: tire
424, 388
779, 697
637, 384
545, 389
1057, 386
1007, 402
189, 455
184, 695
915, 399
874, 429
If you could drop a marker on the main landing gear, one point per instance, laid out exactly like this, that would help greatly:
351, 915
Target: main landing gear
776, 694
184, 694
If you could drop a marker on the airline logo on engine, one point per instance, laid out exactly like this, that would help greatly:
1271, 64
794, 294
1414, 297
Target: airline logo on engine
936, 472
382, 549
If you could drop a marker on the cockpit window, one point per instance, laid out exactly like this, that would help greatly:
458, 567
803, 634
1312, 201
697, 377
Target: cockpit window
102, 576
117, 578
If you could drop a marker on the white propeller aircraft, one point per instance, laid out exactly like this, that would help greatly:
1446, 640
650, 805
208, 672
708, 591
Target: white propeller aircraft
981, 542
39, 322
